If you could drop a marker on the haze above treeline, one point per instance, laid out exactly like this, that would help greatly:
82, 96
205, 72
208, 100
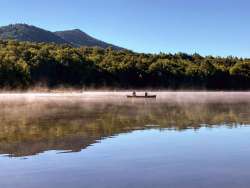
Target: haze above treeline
31, 56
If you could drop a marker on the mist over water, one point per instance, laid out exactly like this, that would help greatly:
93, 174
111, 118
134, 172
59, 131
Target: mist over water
73, 121
118, 96
104, 139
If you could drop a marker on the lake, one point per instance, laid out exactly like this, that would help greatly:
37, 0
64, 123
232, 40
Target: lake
104, 140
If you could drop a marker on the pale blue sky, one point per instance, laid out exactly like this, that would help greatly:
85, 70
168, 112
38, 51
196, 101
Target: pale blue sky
208, 27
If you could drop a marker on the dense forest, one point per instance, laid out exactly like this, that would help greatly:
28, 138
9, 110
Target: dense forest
25, 64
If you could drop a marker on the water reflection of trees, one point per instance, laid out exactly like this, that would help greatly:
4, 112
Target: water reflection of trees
31, 128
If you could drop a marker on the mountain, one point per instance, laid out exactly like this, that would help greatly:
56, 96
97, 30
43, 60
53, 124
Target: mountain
24, 32
79, 38
76, 37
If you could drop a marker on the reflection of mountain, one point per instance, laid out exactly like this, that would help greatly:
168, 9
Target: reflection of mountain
31, 128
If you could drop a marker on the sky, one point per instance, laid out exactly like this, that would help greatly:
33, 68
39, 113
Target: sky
207, 27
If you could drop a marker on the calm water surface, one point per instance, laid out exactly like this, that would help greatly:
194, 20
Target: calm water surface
192, 141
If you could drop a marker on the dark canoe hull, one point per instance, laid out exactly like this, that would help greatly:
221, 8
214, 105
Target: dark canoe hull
142, 97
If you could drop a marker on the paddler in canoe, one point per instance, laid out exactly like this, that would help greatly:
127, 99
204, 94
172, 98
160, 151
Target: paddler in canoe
141, 96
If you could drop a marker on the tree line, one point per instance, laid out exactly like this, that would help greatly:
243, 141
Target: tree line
25, 64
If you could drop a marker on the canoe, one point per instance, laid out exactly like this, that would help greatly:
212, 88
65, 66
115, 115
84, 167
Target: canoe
141, 96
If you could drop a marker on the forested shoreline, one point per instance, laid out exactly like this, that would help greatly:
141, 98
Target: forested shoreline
24, 65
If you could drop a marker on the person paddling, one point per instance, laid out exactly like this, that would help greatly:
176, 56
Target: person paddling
146, 95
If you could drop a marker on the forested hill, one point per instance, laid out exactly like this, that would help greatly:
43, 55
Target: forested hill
29, 33
79, 38
23, 32
25, 64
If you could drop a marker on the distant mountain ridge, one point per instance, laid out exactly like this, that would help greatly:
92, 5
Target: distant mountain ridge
79, 38
30, 33
23, 32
